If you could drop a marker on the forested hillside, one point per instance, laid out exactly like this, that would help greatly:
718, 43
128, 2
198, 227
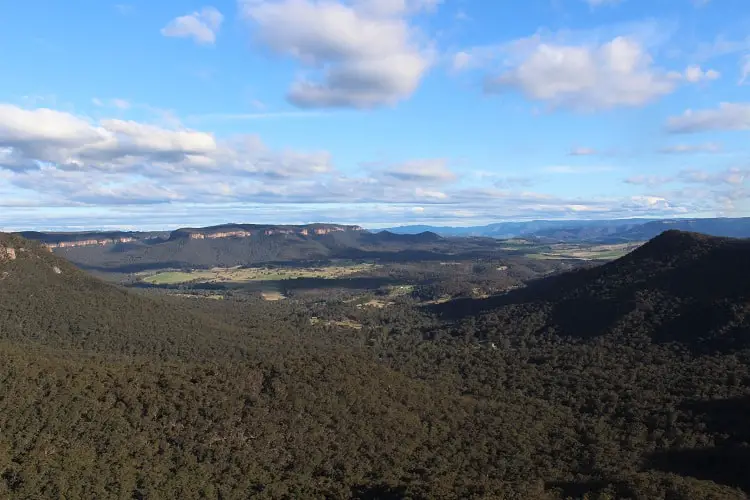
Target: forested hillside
107, 394
243, 244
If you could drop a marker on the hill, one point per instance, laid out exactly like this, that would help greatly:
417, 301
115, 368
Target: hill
248, 244
680, 287
109, 394
46, 299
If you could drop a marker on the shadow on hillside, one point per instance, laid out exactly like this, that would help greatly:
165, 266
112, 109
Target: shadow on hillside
726, 463
398, 255
534, 290
132, 268
585, 489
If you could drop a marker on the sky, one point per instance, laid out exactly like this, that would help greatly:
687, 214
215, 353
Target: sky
155, 115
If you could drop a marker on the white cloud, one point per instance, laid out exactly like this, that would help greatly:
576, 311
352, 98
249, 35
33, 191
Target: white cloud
581, 151
599, 3
728, 116
586, 77
112, 103
694, 74
513, 181
648, 180
107, 171
30, 138
121, 103
427, 194
744, 70
202, 26
366, 53
434, 171
568, 169
650, 201
732, 176
708, 147
462, 60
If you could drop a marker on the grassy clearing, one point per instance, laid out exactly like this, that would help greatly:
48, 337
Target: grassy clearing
197, 296
272, 296
400, 290
584, 252
173, 277
378, 304
245, 275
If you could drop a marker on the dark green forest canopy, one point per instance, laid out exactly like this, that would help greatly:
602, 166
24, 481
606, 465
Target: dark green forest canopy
554, 391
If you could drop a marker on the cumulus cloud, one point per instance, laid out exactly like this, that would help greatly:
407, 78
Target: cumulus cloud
728, 116
30, 139
695, 74
365, 53
202, 26
50, 158
587, 77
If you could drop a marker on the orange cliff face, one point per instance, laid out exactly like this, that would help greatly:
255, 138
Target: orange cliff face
316, 231
327, 230
215, 236
89, 243
202, 236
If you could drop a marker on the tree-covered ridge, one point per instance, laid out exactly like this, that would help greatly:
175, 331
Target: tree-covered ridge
680, 287
108, 394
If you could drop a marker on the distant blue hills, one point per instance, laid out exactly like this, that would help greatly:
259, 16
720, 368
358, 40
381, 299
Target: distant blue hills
594, 231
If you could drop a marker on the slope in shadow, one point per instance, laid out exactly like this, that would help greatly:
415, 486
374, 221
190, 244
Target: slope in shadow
680, 287
726, 463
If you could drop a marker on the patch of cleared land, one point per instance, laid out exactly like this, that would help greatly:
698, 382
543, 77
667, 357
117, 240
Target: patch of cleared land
272, 296
584, 252
196, 296
378, 304
399, 290
248, 274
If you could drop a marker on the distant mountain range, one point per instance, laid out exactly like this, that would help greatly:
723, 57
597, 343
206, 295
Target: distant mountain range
593, 231
247, 244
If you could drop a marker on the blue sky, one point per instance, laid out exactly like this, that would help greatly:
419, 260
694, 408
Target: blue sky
376, 112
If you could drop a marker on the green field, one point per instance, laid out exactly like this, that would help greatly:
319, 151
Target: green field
249, 274
174, 277
581, 252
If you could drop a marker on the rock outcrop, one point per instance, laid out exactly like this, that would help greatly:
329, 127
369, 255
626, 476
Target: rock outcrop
54, 241
89, 243
7, 253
